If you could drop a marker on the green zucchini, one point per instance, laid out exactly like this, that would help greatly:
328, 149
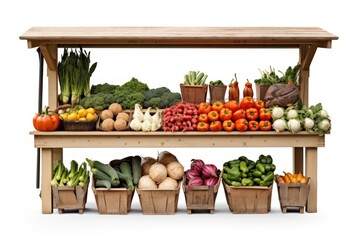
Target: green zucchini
106, 168
136, 168
103, 176
126, 169
102, 183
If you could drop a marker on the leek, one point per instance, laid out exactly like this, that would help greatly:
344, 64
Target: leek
63, 78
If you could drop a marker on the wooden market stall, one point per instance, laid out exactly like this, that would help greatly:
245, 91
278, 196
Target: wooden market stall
50, 39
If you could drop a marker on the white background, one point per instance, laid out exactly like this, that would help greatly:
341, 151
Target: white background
334, 81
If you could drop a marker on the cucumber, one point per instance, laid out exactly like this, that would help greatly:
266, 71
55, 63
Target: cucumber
136, 169
102, 183
106, 168
103, 176
126, 169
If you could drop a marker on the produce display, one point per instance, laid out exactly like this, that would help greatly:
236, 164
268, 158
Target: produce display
76, 176
46, 121
77, 113
145, 121
125, 174
313, 119
163, 173
292, 178
182, 116
245, 172
195, 78
74, 72
201, 174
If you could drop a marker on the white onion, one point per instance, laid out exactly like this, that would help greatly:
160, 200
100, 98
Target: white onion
279, 125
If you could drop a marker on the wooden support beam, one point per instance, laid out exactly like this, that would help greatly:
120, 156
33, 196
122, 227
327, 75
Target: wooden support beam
48, 53
309, 55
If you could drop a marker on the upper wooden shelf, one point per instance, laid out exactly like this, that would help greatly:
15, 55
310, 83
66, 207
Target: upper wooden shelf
202, 37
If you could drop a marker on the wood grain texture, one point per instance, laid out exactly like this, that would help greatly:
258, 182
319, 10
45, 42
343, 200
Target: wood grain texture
179, 36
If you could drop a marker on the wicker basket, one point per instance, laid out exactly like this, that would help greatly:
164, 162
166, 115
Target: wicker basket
75, 125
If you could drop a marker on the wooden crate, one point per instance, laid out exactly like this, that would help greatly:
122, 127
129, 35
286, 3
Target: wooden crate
70, 198
159, 201
248, 199
113, 200
293, 196
200, 198
194, 93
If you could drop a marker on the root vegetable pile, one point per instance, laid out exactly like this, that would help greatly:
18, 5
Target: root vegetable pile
181, 117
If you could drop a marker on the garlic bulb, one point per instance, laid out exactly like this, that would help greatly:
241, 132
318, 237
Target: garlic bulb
147, 115
138, 113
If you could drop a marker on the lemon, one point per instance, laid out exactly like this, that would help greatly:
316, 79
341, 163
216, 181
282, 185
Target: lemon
82, 112
82, 119
64, 116
90, 110
72, 116
90, 116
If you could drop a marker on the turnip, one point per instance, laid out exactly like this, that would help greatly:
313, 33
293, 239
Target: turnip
291, 114
294, 125
324, 125
308, 123
277, 112
324, 114
279, 125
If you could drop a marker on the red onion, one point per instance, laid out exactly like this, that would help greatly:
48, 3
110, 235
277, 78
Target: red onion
191, 173
197, 164
209, 170
195, 181
211, 181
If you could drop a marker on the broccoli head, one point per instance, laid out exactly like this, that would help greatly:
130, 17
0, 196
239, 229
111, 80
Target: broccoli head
171, 98
154, 102
102, 88
155, 92
131, 99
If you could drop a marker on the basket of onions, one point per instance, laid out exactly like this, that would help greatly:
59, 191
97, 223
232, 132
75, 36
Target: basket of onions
200, 185
159, 186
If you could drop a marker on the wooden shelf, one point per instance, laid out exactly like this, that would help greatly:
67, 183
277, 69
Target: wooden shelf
49, 39
100, 139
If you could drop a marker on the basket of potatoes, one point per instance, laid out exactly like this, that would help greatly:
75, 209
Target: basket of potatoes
113, 119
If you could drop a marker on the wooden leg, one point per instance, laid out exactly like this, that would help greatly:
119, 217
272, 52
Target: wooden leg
298, 159
46, 175
57, 154
311, 171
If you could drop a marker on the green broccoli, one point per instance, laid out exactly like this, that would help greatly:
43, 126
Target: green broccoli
155, 92
108, 98
131, 99
171, 98
154, 102
102, 88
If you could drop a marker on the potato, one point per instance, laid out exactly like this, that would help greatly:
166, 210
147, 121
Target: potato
107, 124
105, 114
115, 108
120, 124
123, 115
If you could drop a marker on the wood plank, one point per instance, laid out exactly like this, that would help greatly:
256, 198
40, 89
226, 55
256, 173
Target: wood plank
46, 175
176, 36
298, 159
50, 55
52, 80
309, 57
160, 140
304, 75
311, 171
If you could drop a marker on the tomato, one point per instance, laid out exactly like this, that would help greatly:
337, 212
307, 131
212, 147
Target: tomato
213, 116
259, 104
265, 114
253, 125
204, 107
232, 105
265, 125
225, 114
241, 124
228, 125
217, 106
238, 114
215, 126
247, 102
203, 117
46, 121
252, 114
202, 126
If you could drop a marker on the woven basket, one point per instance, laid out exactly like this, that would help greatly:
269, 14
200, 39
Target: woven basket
75, 125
